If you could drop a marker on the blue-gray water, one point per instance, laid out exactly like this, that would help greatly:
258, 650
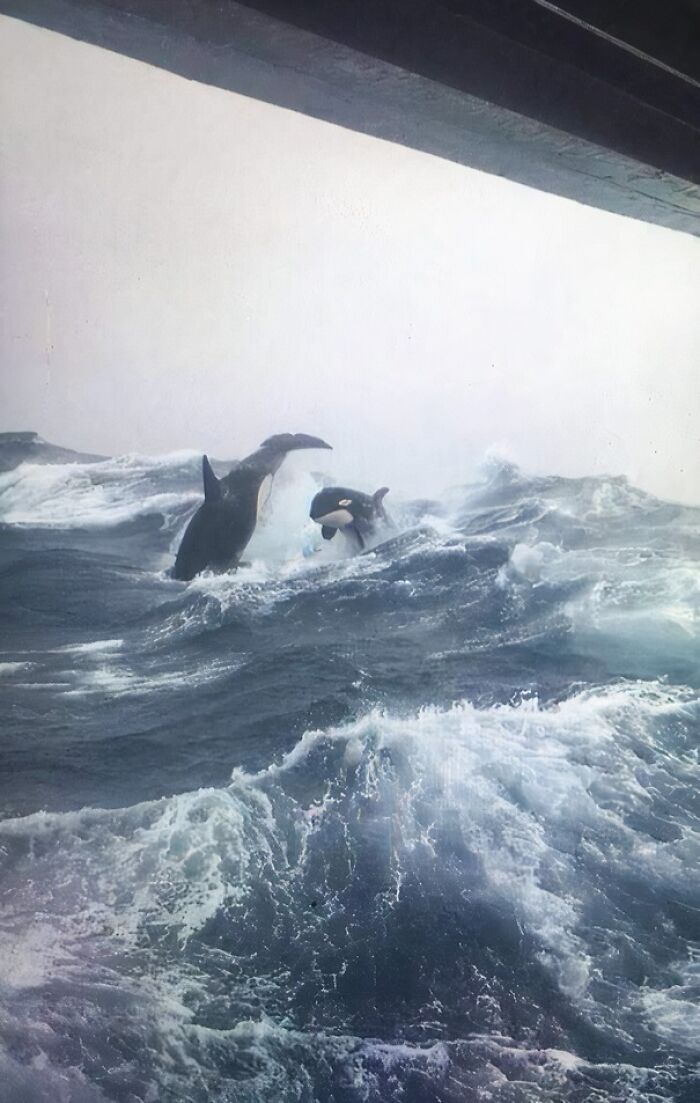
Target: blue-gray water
416, 826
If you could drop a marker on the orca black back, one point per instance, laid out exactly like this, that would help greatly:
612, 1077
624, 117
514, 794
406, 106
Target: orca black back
223, 525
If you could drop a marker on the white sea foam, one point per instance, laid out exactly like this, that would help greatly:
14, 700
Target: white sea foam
92, 495
653, 602
123, 681
8, 669
95, 646
674, 1012
103, 671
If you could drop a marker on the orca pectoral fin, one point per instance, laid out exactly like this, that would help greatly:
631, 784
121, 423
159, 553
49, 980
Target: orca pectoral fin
212, 486
327, 532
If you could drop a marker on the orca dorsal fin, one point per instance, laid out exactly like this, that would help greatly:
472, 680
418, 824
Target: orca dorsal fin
378, 501
212, 486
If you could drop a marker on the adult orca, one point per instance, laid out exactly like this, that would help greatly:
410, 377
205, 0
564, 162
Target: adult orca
225, 522
354, 513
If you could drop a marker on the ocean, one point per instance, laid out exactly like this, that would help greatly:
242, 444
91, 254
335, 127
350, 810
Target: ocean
420, 825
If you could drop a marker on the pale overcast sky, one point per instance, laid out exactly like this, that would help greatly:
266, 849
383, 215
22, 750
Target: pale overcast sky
183, 267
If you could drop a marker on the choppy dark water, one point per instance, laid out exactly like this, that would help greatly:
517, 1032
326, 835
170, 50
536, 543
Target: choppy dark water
421, 825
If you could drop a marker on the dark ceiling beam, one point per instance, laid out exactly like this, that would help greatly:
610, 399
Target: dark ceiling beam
557, 95
530, 58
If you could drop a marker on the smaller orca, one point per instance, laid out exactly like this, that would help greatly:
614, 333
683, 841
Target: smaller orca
351, 511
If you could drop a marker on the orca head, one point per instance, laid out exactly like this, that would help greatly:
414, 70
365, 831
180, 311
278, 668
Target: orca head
332, 507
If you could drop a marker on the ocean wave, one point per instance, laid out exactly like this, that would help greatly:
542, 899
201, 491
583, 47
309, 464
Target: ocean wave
515, 847
418, 824
97, 494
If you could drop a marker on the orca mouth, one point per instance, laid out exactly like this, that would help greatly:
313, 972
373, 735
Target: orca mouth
336, 519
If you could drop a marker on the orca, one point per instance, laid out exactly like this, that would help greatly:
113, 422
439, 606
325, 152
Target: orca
222, 526
354, 513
